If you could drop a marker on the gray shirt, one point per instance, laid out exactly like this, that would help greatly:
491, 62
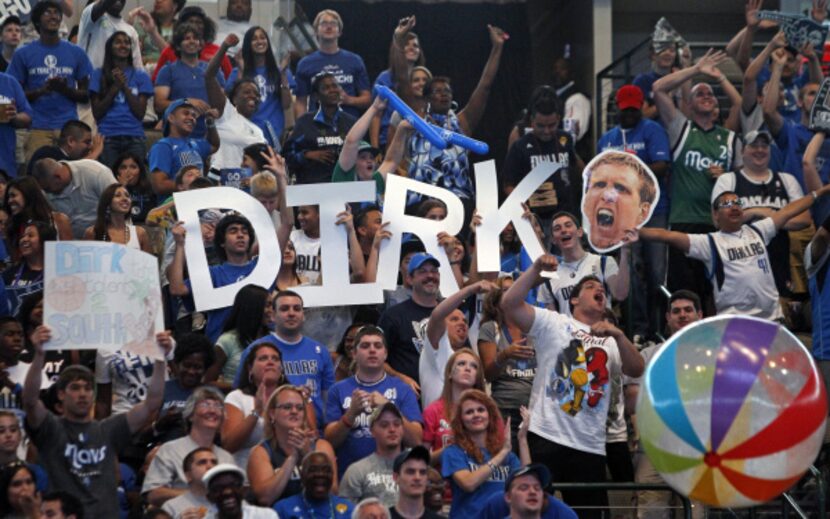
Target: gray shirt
166, 469
79, 200
511, 389
370, 477
81, 459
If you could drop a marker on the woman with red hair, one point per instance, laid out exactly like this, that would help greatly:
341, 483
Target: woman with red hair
481, 458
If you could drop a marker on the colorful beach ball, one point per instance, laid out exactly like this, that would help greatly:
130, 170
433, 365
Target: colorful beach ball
732, 411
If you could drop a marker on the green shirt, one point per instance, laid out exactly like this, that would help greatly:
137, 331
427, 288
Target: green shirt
695, 151
351, 176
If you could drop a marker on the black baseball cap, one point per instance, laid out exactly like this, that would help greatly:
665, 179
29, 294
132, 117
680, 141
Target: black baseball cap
419, 452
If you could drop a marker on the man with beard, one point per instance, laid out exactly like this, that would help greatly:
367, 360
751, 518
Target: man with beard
403, 323
316, 499
225, 490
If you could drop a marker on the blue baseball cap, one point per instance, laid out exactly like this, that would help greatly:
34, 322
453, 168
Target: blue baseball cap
172, 107
419, 259
537, 469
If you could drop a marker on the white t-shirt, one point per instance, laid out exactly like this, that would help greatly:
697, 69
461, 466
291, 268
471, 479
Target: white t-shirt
245, 403
93, 36
572, 391
129, 375
308, 256
225, 27
570, 273
235, 134
747, 286
727, 181
431, 368
753, 120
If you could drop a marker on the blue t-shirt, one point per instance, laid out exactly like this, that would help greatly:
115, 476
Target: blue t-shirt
497, 508
347, 68
119, 120
187, 81
360, 443
793, 140
269, 115
223, 275
10, 91
305, 363
469, 505
384, 79
819, 283
297, 507
790, 110
34, 63
170, 154
650, 142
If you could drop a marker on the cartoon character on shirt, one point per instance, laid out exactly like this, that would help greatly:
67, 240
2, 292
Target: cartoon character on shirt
580, 377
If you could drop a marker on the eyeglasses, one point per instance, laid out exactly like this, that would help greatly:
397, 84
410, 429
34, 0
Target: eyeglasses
289, 407
735, 202
210, 404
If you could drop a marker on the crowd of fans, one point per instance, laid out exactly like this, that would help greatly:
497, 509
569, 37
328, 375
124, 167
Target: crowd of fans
423, 406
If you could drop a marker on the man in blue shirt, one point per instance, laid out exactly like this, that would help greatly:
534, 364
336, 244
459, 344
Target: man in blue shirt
316, 501
232, 242
15, 112
54, 75
185, 77
305, 361
347, 68
650, 142
179, 148
352, 401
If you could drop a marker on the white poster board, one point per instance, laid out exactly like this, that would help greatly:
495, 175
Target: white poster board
102, 295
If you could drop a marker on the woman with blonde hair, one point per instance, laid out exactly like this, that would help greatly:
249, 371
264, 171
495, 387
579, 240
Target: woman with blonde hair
481, 458
462, 371
289, 435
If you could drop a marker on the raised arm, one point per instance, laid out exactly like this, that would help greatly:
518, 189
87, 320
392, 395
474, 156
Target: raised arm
808, 162
436, 326
666, 84
750, 83
140, 414
396, 149
745, 37
772, 117
356, 263
175, 272
348, 153
813, 63
733, 120
470, 116
793, 209
513, 301
619, 284
275, 163
35, 410
678, 240
215, 93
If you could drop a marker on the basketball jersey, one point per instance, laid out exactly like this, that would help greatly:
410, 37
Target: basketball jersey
691, 183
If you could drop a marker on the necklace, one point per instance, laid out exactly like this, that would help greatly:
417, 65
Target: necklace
364, 383
578, 265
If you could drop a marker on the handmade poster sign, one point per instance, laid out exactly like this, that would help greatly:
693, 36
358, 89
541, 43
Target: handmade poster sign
102, 295
619, 195
820, 112
799, 30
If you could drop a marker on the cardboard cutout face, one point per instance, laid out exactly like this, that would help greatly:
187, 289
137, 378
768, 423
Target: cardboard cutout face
619, 195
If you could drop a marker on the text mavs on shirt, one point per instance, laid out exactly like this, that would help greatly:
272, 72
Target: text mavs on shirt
700, 162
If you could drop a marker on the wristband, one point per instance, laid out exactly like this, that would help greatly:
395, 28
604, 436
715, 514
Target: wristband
255, 413
815, 196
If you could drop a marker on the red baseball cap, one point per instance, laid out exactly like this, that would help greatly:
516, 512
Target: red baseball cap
629, 96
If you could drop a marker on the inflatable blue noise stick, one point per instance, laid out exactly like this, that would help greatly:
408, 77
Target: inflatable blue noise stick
459, 139
421, 126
